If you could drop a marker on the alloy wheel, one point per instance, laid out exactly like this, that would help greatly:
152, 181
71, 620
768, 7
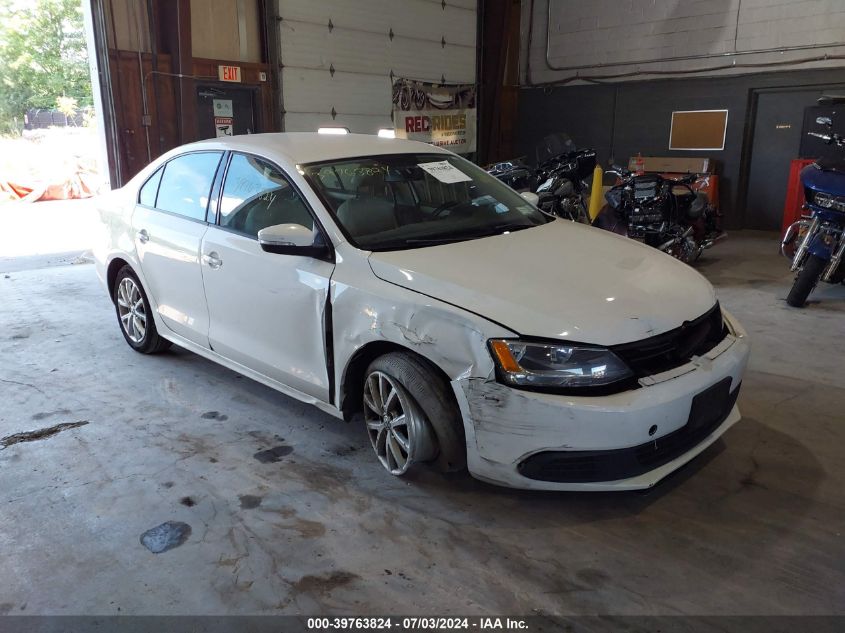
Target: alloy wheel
131, 310
398, 431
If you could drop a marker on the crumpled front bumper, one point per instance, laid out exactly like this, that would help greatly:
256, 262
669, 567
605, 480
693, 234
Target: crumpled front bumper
505, 426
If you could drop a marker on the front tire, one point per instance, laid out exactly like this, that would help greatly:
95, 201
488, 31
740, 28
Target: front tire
806, 281
411, 415
134, 314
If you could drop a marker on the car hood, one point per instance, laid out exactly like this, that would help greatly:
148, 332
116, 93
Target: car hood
560, 280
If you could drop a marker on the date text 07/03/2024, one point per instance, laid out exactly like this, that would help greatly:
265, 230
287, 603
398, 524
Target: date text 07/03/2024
417, 624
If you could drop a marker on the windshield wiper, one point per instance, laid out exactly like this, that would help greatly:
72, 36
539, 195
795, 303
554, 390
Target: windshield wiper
496, 229
493, 230
414, 243
505, 227
439, 240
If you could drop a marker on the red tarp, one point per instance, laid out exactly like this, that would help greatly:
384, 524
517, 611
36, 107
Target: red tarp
78, 185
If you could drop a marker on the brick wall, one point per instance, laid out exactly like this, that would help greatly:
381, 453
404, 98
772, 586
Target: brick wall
602, 33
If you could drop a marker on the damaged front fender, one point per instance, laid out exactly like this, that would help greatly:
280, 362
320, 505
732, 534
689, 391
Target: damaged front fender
367, 311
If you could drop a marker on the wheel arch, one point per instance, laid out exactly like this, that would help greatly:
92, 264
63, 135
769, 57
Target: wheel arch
352, 378
111, 272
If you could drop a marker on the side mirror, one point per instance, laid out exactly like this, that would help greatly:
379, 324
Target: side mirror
824, 120
293, 239
532, 198
286, 235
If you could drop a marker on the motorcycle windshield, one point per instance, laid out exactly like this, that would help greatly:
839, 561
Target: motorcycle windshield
831, 100
553, 146
832, 164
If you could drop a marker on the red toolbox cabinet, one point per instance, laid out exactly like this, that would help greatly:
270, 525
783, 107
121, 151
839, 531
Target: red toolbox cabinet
792, 207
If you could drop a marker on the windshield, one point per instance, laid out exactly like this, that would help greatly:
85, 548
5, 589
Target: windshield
401, 201
552, 146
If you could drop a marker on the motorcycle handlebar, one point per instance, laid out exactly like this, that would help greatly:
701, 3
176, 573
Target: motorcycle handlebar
687, 181
829, 138
616, 170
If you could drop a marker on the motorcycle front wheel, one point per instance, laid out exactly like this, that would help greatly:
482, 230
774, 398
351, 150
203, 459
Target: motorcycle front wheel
806, 281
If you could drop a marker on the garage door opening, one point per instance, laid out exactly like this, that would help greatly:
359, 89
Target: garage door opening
50, 152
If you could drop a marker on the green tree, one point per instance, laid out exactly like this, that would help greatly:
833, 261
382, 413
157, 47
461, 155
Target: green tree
42, 55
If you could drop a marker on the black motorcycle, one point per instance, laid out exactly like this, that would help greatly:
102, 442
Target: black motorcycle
562, 173
668, 214
515, 174
559, 180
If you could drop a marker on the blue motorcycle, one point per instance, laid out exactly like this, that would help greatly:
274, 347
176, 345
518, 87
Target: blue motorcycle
816, 243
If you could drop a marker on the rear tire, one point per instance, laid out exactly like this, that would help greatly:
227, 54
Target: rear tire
806, 281
426, 398
134, 314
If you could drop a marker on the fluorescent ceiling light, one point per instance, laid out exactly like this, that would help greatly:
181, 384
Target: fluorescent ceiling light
387, 132
333, 130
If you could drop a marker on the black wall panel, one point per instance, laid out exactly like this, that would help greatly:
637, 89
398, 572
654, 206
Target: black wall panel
619, 120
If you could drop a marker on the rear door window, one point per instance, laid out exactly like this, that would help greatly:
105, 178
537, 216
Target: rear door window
186, 184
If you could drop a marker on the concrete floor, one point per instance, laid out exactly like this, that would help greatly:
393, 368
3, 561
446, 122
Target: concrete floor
753, 526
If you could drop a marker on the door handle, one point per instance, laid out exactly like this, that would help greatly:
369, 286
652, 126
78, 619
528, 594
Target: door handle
143, 236
212, 260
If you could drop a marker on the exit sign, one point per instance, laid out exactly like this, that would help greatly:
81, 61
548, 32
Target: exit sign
229, 73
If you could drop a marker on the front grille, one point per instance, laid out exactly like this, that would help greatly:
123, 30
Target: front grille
674, 348
709, 410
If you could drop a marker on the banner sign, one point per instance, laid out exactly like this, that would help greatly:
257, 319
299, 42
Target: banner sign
443, 115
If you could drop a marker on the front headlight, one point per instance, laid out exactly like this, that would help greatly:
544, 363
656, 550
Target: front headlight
556, 366
837, 203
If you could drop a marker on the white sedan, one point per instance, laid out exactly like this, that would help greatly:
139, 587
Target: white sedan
395, 284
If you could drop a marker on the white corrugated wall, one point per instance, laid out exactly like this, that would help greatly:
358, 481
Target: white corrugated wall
607, 37
337, 56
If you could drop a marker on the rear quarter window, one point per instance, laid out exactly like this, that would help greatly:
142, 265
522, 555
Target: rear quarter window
149, 190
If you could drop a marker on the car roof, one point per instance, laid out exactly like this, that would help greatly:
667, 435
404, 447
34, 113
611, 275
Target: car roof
300, 148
